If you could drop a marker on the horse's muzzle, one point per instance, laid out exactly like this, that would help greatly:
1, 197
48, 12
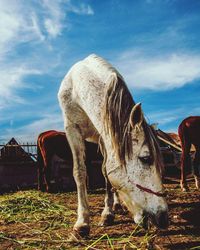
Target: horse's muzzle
161, 220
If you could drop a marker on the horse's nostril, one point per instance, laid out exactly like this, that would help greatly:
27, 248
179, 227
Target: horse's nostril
162, 220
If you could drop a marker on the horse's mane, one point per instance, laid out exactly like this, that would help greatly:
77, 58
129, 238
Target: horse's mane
117, 109
118, 105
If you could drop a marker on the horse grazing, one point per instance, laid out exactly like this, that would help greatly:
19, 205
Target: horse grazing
50, 143
98, 106
189, 133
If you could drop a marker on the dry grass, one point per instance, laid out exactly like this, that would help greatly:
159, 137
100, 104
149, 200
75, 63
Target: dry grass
32, 220
35, 220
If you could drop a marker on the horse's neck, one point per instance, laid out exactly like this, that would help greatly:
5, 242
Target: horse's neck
111, 154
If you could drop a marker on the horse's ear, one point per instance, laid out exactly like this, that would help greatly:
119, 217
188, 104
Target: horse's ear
136, 116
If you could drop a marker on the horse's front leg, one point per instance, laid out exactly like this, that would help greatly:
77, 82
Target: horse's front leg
77, 145
107, 216
183, 183
118, 206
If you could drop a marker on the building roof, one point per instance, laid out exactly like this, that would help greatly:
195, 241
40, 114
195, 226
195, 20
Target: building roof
12, 152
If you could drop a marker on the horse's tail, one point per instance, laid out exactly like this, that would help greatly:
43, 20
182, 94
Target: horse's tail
40, 165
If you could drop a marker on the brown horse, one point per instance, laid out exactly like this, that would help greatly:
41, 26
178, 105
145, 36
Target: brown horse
189, 133
50, 143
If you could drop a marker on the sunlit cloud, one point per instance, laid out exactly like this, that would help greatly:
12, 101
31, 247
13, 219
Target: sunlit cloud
33, 129
164, 72
35, 23
163, 117
83, 9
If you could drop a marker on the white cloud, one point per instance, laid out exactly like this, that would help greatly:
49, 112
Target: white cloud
53, 28
32, 130
11, 79
163, 117
83, 9
33, 23
36, 27
10, 24
57, 12
158, 73
55, 16
25, 20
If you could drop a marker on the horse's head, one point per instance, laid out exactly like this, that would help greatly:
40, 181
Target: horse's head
139, 183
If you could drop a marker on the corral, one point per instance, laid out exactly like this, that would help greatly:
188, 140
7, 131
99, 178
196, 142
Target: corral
36, 220
18, 165
18, 168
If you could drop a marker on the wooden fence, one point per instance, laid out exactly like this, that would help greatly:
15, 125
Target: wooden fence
18, 166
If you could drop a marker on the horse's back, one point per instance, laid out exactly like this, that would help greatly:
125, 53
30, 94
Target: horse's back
82, 91
191, 122
88, 74
189, 129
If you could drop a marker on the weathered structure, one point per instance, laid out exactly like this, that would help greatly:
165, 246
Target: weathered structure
171, 151
55, 163
18, 164
62, 170
17, 167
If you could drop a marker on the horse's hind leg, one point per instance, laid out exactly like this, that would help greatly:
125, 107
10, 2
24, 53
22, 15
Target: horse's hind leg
40, 174
77, 145
40, 166
196, 167
185, 163
47, 176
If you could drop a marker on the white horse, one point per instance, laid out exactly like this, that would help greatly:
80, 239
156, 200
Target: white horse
98, 107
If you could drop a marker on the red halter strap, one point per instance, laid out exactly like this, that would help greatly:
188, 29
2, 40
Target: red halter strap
147, 190
144, 189
159, 194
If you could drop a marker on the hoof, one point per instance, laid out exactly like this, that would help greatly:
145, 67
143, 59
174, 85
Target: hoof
185, 189
118, 208
82, 231
107, 220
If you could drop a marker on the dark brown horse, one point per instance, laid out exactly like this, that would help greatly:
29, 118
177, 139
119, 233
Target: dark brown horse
52, 143
189, 133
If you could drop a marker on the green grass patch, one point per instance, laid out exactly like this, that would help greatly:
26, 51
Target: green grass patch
32, 206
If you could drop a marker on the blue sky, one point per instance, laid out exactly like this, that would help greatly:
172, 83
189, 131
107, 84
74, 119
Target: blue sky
154, 44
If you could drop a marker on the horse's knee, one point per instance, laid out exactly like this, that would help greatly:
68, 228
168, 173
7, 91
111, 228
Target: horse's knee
80, 175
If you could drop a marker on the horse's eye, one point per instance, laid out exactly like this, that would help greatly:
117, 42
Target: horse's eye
146, 159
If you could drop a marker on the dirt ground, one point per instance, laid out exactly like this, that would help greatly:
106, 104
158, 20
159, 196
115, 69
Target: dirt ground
35, 220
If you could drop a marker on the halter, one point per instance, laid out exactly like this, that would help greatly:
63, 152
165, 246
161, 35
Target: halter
147, 190
144, 189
